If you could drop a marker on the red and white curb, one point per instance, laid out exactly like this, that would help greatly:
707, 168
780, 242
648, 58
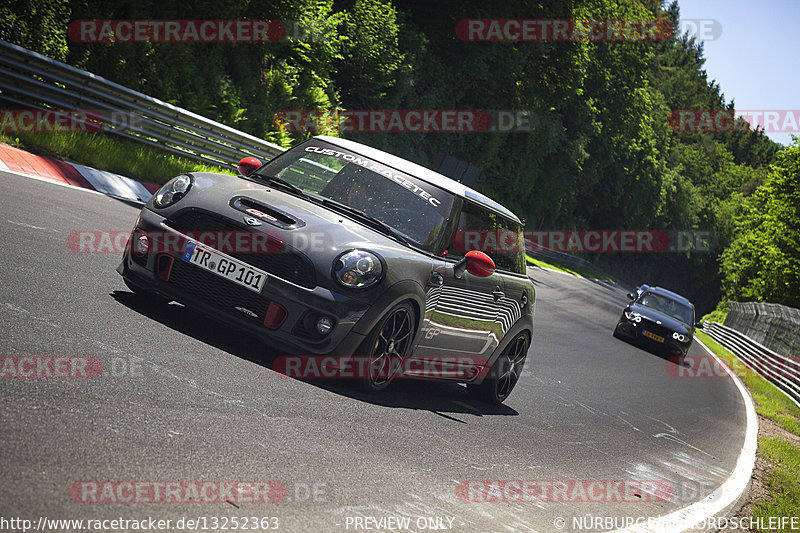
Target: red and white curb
74, 175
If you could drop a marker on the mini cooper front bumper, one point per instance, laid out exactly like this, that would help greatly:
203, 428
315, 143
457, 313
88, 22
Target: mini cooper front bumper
284, 313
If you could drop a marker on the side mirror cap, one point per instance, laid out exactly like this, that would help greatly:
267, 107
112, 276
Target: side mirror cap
698, 325
476, 263
248, 165
479, 264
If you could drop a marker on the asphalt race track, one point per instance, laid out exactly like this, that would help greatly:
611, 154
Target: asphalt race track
183, 399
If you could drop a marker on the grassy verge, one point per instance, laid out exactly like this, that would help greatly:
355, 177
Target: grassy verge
569, 269
110, 153
783, 480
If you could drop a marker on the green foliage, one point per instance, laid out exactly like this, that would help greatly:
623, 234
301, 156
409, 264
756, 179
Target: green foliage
763, 260
717, 315
599, 153
38, 25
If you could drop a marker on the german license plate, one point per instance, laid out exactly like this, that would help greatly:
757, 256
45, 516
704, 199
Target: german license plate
657, 338
225, 266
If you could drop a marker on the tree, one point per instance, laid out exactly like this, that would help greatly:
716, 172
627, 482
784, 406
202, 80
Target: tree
763, 261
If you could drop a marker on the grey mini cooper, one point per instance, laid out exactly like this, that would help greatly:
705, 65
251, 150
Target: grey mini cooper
337, 252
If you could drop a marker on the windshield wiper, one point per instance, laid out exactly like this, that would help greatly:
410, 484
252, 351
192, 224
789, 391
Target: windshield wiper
375, 222
284, 184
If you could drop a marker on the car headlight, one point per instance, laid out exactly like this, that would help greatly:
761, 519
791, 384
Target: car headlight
679, 337
633, 317
357, 269
173, 190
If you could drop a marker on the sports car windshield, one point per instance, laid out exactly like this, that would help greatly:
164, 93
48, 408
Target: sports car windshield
412, 207
667, 306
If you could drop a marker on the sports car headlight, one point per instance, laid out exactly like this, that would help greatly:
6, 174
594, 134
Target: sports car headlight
679, 337
173, 190
357, 269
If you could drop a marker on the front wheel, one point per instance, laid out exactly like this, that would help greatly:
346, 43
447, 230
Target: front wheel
387, 346
504, 373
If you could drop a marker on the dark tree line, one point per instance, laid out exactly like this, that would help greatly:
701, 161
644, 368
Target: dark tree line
599, 154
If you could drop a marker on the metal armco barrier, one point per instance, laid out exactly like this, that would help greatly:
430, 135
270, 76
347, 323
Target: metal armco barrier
775, 326
33, 81
781, 371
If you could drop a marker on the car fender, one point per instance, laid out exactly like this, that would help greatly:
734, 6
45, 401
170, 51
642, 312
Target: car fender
523, 324
403, 290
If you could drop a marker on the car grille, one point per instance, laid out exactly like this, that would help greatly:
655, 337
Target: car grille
287, 264
217, 291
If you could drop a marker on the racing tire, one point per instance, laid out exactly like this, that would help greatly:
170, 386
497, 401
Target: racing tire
504, 374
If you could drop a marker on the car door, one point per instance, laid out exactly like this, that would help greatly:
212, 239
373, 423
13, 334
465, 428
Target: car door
462, 313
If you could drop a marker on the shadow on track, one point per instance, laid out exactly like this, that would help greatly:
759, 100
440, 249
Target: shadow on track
437, 397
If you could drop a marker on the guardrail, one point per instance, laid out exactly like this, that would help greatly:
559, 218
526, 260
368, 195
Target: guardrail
33, 81
775, 368
775, 326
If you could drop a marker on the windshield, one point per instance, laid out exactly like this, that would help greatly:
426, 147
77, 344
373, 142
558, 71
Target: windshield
667, 306
412, 207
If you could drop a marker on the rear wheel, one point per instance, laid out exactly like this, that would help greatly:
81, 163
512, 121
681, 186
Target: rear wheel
387, 346
504, 374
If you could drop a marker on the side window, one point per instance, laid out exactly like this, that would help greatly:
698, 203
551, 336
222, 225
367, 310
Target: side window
500, 238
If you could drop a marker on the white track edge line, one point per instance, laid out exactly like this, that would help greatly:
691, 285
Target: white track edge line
697, 514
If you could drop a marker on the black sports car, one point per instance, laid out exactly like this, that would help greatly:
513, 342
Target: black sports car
660, 318
337, 249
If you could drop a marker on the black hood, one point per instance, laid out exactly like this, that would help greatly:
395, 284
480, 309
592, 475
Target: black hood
657, 316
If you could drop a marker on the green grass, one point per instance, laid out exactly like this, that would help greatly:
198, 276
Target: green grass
783, 482
569, 269
106, 152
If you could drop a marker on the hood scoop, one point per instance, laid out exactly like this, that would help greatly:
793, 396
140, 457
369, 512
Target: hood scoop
265, 213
